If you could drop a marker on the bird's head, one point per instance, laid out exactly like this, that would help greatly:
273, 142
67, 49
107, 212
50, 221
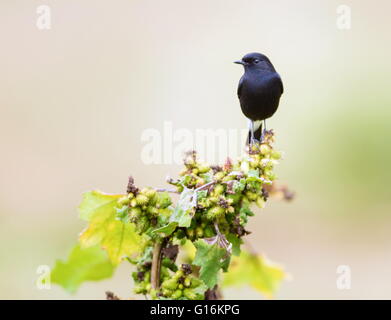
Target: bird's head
256, 60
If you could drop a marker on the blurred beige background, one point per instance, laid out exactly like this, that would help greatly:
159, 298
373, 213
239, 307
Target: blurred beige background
75, 100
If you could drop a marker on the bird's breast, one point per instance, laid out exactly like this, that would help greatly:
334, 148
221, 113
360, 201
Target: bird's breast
260, 96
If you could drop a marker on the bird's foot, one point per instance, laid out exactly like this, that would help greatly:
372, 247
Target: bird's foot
253, 146
263, 135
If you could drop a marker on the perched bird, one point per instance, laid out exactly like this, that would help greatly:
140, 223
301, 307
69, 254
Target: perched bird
259, 92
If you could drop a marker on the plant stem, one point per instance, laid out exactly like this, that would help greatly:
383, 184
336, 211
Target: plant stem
155, 268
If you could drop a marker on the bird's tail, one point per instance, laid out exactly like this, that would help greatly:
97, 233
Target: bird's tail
257, 135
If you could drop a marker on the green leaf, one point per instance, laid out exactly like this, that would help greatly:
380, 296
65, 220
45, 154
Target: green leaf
211, 258
95, 201
185, 208
89, 264
118, 238
256, 271
167, 229
236, 242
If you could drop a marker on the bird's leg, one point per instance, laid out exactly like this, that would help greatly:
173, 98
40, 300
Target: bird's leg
264, 130
251, 128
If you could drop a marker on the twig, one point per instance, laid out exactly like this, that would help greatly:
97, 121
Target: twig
155, 268
204, 186
167, 190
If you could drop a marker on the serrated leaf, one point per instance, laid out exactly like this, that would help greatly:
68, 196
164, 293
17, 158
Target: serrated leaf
256, 271
88, 264
94, 201
236, 242
118, 238
185, 208
211, 258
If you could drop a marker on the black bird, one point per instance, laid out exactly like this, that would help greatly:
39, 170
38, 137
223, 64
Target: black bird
259, 92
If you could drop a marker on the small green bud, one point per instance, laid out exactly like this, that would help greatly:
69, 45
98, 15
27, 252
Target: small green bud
267, 163
123, 201
142, 224
199, 232
215, 212
133, 203
167, 293
178, 274
276, 155
209, 232
153, 210
141, 199
214, 199
170, 284
200, 181
190, 233
177, 294
140, 290
265, 149
150, 193
135, 212
271, 175
254, 164
180, 286
251, 195
187, 282
218, 189
189, 294
219, 175
203, 168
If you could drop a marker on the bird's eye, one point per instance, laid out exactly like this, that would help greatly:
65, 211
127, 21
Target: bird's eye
256, 61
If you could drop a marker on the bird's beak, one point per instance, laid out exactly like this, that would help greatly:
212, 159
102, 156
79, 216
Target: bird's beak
240, 62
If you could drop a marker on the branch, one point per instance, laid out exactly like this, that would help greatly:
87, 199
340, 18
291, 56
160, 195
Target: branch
155, 268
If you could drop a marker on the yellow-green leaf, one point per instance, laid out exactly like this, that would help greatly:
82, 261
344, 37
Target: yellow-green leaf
256, 271
89, 264
95, 201
118, 238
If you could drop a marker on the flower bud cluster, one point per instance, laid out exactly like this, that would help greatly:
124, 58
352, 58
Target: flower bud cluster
182, 285
145, 208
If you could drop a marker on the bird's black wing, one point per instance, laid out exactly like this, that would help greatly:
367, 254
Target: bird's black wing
240, 86
280, 81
